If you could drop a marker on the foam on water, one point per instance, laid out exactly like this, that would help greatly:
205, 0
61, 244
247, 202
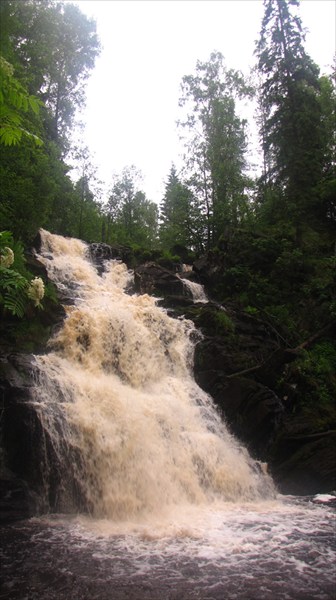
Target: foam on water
117, 398
179, 510
283, 548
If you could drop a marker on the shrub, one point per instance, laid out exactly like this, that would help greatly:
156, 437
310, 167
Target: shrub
18, 288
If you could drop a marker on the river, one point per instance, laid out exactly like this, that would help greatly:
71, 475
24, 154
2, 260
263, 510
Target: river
156, 499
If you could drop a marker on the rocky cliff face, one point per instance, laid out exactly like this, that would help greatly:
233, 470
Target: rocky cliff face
23, 444
241, 362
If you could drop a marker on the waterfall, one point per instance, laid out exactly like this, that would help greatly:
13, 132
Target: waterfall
116, 396
196, 290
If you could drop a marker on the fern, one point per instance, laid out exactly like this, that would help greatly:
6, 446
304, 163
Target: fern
16, 281
6, 238
11, 280
15, 303
13, 291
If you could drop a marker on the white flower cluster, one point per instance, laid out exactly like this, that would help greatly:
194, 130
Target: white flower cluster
6, 257
36, 290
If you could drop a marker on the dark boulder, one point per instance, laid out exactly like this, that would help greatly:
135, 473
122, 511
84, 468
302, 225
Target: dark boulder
17, 501
100, 252
152, 278
207, 268
21, 436
252, 411
304, 463
30, 471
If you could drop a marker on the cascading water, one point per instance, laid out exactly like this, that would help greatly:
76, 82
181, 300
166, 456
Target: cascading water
117, 397
197, 291
178, 509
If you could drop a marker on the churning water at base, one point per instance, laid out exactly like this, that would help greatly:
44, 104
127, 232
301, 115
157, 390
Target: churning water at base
273, 550
175, 509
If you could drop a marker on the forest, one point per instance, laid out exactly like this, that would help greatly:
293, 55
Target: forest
271, 238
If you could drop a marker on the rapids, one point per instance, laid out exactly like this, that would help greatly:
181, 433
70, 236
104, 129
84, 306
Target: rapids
116, 395
158, 501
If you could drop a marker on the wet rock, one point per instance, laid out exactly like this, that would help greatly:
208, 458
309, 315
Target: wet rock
304, 463
207, 268
27, 455
20, 437
155, 279
101, 252
253, 412
240, 367
17, 502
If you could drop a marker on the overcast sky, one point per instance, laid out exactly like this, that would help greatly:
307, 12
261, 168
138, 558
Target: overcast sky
147, 47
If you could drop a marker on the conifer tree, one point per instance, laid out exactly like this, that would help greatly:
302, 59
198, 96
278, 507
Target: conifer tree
291, 132
175, 213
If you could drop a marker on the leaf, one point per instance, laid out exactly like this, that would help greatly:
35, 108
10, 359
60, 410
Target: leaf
12, 282
6, 238
34, 104
10, 136
15, 304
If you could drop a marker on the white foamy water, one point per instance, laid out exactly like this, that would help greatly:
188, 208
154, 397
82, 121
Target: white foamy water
117, 397
177, 508
281, 549
197, 291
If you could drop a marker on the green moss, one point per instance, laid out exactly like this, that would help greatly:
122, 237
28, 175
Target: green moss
214, 321
222, 322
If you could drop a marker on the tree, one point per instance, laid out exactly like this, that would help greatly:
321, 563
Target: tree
176, 223
215, 144
145, 221
49, 47
55, 46
291, 128
87, 189
15, 102
325, 207
131, 218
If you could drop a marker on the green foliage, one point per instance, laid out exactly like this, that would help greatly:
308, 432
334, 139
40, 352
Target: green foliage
14, 102
316, 370
12, 283
16, 287
130, 217
169, 260
222, 323
51, 48
251, 310
215, 320
12, 291
292, 125
236, 279
215, 145
177, 225
31, 185
55, 45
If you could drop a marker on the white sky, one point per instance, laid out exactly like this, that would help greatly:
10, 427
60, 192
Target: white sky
147, 47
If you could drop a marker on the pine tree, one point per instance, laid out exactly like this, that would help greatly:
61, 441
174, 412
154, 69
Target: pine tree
291, 131
176, 224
